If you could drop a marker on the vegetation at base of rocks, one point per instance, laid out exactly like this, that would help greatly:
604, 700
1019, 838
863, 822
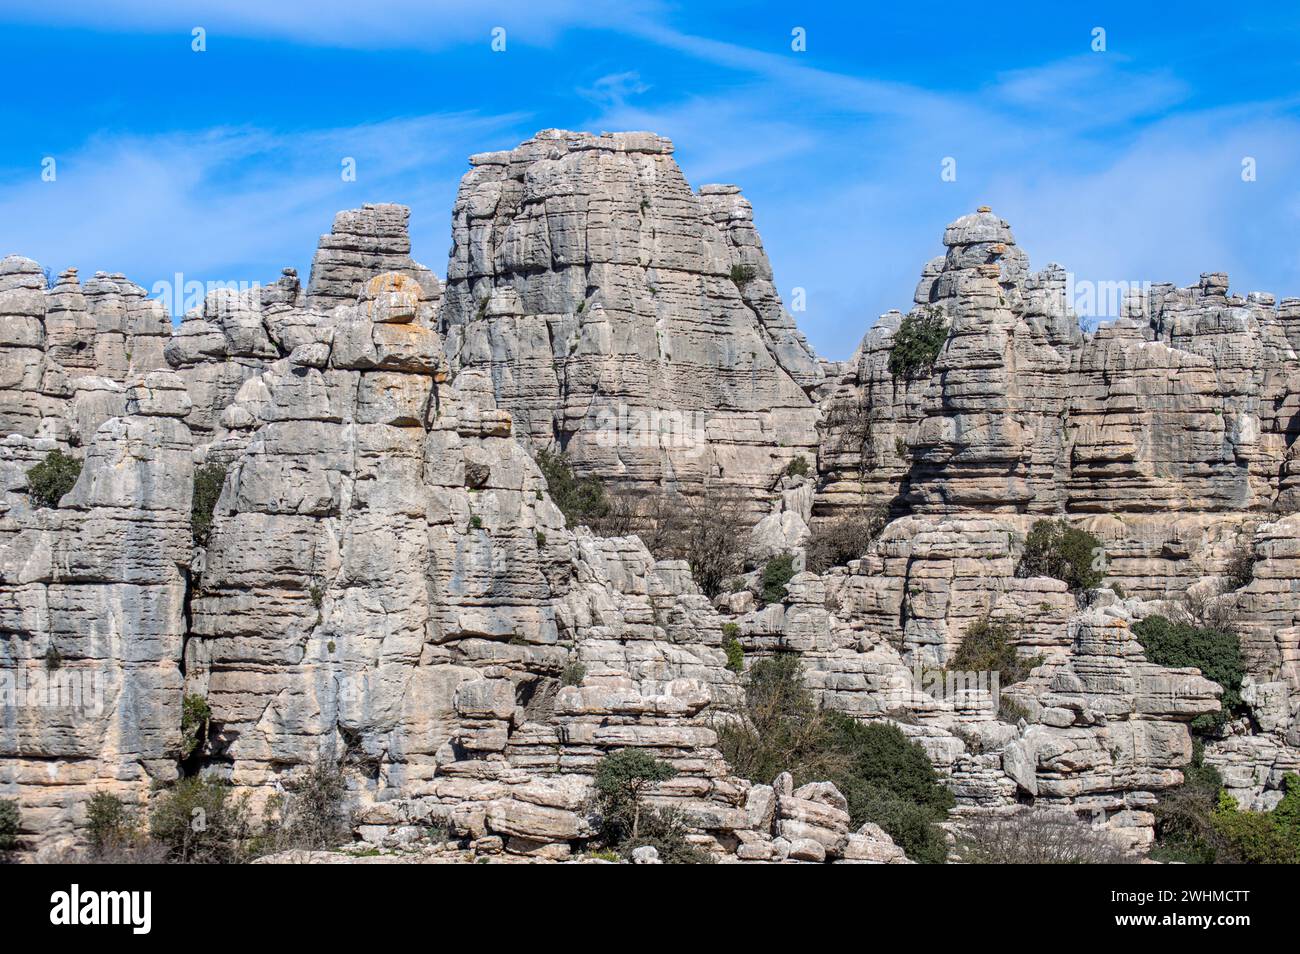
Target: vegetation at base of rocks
208, 481
313, 814
742, 275
1199, 823
798, 467
1037, 836
195, 715
735, 653
1010, 711
627, 823
1056, 549
777, 572
987, 647
886, 778
1263, 838
53, 477
10, 821
917, 344
842, 539
1185, 830
200, 820
582, 500
1217, 654
573, 674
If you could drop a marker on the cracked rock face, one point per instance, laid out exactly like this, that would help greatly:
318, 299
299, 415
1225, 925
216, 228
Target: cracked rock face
625, 318
387, 580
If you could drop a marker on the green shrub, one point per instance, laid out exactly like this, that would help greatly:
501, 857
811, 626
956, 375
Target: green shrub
199, 820
540, 538
1056, 549
53, 477
798, 467
742, 275
735, 653
987, 647
1263, 838
886, 778
1185, 829
573, 674
582, 500
195, 714
476, 522
208, 481
917, 344
847, 537
1215, 653
53, 659
109, 824
10, 820
777, 572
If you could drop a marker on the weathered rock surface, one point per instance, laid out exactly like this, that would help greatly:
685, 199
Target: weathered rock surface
624, 318
388, 582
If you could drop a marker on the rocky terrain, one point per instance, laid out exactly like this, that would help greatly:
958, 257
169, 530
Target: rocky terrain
388, 581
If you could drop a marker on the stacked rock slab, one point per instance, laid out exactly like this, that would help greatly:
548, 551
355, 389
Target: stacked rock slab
92, 609
624, 318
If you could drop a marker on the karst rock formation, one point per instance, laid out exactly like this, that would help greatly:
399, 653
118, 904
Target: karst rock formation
387, 578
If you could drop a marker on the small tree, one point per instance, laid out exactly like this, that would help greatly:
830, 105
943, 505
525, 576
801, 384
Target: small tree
316, 814
917, 343
1056, 549
621, 780
208, 481
51, 479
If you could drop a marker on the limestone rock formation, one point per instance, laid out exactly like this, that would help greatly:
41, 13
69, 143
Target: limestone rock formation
387, 581
624, 318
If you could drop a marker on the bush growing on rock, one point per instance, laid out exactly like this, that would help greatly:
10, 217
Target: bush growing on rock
735, 653
777, 572
1215, 653
1038, 836
9, 824
836, 542
987, 647
885, 777
195, 714
208, 481
1241, 567
1056, 549
582, 500
53, 477
798, 467
917, 344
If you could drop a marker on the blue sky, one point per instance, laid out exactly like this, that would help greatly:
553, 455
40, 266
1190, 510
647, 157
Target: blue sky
1123, 165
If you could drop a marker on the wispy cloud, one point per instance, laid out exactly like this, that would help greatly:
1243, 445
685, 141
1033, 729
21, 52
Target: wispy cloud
235, 203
